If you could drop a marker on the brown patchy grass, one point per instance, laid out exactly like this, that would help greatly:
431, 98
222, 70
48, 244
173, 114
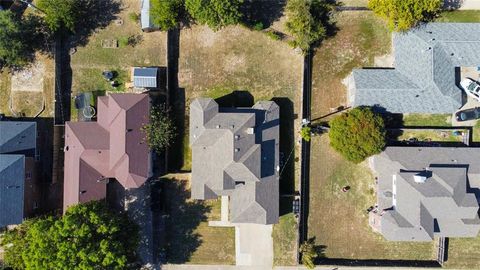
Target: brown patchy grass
285, 240
339, 221
215, 63
360, 38
464, 253
191, 240
151, 51
4, 91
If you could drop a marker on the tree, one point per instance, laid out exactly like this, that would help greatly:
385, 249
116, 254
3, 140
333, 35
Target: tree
61, 14
401, 15
88, 236
165, 14
17, 39
306, 133
307, 249
358, 134
215, 13
160, 131
307, 21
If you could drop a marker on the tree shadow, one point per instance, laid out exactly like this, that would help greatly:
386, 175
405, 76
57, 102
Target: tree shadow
93, 14
325, 16
260, 11
184, 216
237, 98
287, 154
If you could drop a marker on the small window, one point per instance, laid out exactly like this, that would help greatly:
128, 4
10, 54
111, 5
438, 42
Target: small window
28, 175
35, 205
239, 183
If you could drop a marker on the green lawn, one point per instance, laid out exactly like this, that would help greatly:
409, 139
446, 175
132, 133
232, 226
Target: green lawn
430, 135
463, 16
91, 79
439, 120
285, 240
464, 253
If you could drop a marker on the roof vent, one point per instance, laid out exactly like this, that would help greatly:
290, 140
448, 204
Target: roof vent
233, 126
250, 130
237, 137
218, 126
237, 149
419, 178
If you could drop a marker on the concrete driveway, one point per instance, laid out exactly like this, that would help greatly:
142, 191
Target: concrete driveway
254, 245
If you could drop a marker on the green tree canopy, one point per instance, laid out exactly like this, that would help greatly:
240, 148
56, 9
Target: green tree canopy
401, 15
215, 13
358, 134
17, 39
88, 236
61, 14
160, 131
165, 14
306, 133
307, 21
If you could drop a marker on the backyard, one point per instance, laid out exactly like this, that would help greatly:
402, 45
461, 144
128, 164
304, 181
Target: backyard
338, 219
143, 49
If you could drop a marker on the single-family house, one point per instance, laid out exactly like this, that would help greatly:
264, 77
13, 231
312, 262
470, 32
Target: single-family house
19, 188
425, 192
235, 155
426, 74
110, 151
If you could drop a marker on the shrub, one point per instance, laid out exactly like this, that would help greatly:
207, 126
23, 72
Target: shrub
134, 17
357, 134
258, 26
160, 131
273, 35
307, 21
166, 13
401, 15
123, 42
307, 249
215, 13
306, 133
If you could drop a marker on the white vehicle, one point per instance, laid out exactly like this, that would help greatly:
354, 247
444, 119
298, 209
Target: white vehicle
471, 87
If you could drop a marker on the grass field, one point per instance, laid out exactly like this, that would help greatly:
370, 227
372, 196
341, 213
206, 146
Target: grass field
339, 221
432, 120
464, 253
190, 239
89, 61
428, 135
284, 240
360, 38
463, 16
4, 91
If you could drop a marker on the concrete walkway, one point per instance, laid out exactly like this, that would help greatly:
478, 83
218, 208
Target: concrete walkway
254, 245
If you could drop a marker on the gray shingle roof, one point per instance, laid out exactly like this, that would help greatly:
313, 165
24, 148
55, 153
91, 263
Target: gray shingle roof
412, 209
145, 77
424, 77
18, 137
12, 178
235, 153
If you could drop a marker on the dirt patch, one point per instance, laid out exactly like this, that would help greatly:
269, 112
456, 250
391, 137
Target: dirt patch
29, 79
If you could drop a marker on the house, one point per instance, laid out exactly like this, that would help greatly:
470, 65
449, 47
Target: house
19, 187
145, 77
426, 74
145, 19
235, 155
109, 152
425, 192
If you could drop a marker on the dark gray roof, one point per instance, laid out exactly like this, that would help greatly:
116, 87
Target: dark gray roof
411, 208
423, 80
18, 137
12, 177
145, 77
235, 153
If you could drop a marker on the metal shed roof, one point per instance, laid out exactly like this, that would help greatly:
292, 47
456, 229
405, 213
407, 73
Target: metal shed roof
145, 77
